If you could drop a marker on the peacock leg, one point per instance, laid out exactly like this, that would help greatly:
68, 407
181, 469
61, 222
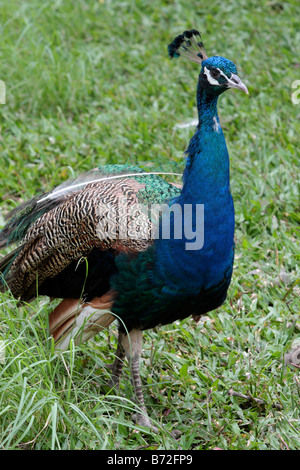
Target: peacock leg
132, 344
117, 366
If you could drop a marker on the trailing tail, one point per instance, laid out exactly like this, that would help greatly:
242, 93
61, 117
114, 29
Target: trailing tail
5, 264
72, 319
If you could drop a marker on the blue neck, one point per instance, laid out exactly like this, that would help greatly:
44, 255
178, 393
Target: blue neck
206, 176
205, 181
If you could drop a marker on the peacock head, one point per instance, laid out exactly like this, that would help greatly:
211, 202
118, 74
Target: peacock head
217, 73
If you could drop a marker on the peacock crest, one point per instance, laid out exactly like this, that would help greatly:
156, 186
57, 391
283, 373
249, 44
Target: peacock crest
188, 45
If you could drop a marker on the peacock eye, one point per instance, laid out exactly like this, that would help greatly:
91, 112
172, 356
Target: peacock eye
215, 73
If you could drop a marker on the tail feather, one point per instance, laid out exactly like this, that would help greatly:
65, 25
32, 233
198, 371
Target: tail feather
74, 320
4, 266
3, 241
22, 217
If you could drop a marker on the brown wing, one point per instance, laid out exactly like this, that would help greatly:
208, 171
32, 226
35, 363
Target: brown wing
91, 217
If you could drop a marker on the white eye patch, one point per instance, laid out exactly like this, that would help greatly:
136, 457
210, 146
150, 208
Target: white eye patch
212, 80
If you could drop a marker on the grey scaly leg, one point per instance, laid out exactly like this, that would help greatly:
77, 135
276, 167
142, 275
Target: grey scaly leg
132, 346
117, 366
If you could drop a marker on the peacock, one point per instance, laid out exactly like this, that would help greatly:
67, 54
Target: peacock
95, 243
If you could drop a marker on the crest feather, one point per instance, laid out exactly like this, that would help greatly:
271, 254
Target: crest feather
189, 46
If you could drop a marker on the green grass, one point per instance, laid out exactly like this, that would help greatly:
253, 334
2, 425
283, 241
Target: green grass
89, 82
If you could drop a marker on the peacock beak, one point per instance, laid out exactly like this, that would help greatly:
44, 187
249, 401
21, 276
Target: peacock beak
235, 82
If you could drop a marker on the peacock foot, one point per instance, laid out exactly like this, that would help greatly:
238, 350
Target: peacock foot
145, 421
175, 433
